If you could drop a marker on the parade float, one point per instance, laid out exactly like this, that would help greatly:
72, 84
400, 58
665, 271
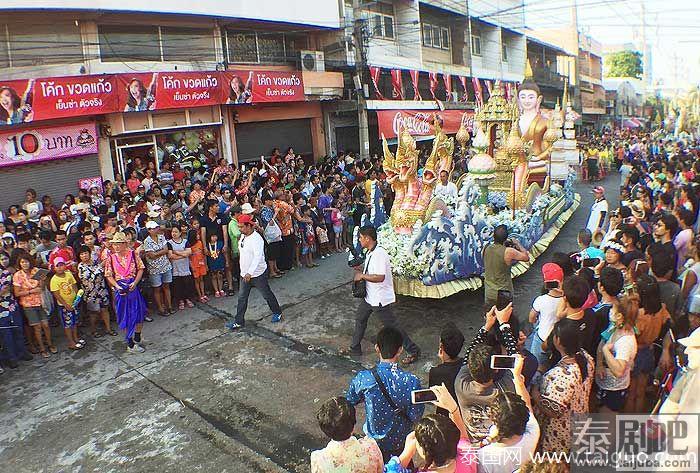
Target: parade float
436, 244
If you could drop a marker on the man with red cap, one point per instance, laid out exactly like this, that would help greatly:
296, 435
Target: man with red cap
599, 210
251, 249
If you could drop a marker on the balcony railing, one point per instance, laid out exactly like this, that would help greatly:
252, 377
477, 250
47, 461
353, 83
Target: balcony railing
548, 78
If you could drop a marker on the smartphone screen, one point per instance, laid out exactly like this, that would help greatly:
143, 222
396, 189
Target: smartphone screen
422, 396
590, 262
502, 362
503, 299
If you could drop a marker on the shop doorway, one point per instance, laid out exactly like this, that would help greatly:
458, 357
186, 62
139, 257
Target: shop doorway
135, 154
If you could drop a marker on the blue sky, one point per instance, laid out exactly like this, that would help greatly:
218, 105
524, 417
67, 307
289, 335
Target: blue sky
672, 29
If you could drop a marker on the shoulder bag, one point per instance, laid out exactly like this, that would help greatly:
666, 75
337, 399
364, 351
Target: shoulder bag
399, 411
359, 288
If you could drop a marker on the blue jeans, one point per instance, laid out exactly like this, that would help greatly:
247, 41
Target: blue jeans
536, 349
12, 336
264, 287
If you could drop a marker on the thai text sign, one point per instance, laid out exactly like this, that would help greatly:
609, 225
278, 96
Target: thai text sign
33, 145
29, 100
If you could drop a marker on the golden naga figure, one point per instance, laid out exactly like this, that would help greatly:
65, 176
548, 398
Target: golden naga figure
413, 194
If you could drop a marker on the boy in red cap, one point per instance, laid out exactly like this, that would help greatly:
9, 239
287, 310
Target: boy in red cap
544, 311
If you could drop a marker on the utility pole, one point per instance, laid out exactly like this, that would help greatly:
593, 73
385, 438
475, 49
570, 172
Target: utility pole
360, 64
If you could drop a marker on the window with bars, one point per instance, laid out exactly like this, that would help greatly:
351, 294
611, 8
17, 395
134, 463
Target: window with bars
122, 43
435, 36
54, 43
262, 47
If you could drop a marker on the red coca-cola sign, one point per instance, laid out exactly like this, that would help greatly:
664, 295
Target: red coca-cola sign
420, 122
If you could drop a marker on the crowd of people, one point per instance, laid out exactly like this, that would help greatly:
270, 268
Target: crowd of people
604, 327
156, 242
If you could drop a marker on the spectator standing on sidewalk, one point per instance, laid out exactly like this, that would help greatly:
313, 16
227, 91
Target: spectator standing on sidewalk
380, 296
599, 210
251, 249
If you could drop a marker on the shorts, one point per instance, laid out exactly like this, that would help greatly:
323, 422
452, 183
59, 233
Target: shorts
337, 229
35, 315
644, 362
97, 304
536, 349
613, 400
158, 280
274, 250
69, 318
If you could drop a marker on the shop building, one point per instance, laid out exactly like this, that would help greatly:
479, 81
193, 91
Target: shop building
260, 49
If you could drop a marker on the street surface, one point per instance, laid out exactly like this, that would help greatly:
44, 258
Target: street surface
204, 399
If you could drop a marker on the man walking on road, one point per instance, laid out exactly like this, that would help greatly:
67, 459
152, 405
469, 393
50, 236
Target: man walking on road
380, 296
251, 249
498, 258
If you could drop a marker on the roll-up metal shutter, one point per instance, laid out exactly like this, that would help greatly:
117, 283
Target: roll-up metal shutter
258, 138
55, 178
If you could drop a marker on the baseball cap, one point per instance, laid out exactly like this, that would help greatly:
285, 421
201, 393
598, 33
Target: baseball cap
150, 225
58, 261
598, 190
244, 218
552, 272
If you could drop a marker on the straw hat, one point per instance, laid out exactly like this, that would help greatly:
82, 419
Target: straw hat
119, 237
637, 209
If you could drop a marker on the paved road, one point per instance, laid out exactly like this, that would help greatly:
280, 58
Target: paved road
202, 399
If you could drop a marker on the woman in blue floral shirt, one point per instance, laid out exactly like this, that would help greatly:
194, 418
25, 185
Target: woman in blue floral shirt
10, 319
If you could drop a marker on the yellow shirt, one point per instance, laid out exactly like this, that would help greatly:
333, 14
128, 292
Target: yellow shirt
65, 285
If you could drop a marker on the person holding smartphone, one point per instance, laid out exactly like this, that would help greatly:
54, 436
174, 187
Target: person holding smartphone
498, 258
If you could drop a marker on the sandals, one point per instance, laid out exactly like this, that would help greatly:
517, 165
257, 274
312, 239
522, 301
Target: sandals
203, 299
181, 305
53, 349
97, 334
112, 333
45, 355
78, 346
190, 304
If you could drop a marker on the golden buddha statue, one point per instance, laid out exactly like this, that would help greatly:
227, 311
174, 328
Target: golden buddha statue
533, 131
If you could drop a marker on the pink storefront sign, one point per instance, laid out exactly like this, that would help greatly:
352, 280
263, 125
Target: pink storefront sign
50, 143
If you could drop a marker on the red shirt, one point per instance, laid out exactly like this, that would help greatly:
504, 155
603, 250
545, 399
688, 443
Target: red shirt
66, 253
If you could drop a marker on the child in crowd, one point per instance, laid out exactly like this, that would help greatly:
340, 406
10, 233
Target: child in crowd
179, 253
323, 242
308, 240
337, 221
96, 297
216, 263
64, 287
198, 263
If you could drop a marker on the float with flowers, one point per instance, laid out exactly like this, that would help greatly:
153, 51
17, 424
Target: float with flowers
435, 243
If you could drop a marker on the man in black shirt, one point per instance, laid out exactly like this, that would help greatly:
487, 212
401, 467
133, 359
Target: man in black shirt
629, 236
451, 342
359, 198
665, 229
212, 223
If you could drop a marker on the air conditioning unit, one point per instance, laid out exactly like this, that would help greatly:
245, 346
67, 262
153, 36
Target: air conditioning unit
312, 61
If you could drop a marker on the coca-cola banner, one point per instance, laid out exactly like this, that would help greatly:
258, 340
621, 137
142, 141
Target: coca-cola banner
164, 90
48, 143
420, 122
29, 100
24, 101
261, 86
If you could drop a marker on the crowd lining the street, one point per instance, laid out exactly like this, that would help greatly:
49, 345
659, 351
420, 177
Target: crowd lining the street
600, 330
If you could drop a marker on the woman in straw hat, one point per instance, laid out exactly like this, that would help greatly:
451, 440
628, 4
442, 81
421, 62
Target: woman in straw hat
123, 271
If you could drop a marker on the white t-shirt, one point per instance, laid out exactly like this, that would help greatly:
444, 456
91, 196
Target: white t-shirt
624, 348
379, 293
251, 249
594, 219
499, 458
449, 190
546, 306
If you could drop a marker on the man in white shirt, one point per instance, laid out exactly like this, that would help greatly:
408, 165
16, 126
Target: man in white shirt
599, 210
445, 189
380, 297
251, 249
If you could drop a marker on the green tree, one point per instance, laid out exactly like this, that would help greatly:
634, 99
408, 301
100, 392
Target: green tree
624, 64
